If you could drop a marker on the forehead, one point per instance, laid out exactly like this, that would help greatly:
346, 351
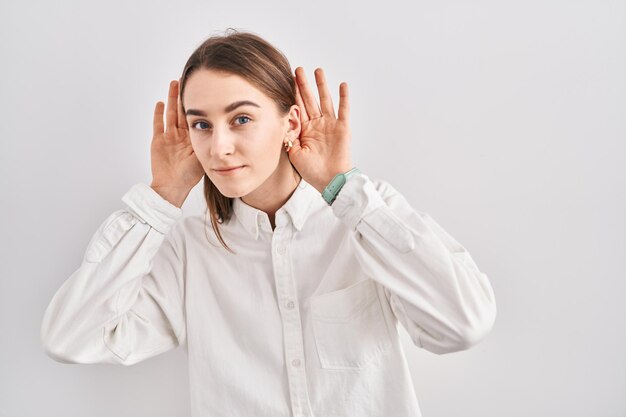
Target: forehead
211, 90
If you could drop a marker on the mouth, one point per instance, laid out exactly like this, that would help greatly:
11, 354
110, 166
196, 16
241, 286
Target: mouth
229, 170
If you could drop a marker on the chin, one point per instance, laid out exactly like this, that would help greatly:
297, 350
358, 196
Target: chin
231, 190
231, 195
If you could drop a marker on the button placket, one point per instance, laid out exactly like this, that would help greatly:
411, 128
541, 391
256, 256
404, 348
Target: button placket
286, 291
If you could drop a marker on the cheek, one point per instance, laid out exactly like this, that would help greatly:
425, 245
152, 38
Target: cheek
199, 148
269, 149
198, 143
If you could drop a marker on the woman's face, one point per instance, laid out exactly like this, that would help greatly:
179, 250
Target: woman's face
225, 134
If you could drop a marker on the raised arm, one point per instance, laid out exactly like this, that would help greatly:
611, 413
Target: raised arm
433, 285
125, 302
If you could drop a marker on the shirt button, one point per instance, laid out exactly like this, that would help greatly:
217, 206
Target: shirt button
290, 305
296, 362
281, 249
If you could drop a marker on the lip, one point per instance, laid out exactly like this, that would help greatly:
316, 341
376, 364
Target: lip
230, 170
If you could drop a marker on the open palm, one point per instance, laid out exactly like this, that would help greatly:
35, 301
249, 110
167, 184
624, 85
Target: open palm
323, 147
174, 162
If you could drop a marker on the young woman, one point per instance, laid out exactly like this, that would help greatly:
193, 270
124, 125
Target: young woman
296, 310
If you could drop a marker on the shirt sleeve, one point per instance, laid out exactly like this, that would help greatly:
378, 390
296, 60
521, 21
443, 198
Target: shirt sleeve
431, 282
124, 303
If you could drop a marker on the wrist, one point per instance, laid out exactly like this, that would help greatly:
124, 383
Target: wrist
175, 196
333, 188
321, 184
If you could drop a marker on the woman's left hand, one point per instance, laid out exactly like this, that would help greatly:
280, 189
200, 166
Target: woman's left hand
323, 148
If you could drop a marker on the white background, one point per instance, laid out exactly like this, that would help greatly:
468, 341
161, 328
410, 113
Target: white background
506, 121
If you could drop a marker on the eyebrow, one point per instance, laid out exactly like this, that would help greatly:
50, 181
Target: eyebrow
229, 108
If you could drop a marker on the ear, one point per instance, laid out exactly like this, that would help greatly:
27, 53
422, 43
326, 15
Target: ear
293, 121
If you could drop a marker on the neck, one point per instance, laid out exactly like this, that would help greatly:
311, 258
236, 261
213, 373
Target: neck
274, 192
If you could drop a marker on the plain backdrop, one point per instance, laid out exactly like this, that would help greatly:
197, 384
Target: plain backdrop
505, 121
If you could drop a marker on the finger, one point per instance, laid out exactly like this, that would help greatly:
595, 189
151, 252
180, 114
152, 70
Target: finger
182, 120
312, 108
157, 123
344, 105
326, 100
171, 119
304, 117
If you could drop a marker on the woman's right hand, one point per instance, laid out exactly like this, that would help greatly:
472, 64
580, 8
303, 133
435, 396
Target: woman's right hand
175, 167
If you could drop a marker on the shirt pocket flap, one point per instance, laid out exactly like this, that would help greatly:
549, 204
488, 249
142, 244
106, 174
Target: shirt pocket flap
343, 304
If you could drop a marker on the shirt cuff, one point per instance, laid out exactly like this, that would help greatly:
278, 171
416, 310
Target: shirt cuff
357, 197
149, 207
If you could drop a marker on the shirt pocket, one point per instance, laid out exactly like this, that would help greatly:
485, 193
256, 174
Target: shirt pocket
349, 326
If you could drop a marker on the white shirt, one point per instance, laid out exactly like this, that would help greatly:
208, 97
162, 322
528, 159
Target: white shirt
302, 321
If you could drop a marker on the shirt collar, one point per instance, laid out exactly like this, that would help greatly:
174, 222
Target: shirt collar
297, 207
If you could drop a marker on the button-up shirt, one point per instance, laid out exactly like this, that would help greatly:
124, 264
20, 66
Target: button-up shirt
302, 320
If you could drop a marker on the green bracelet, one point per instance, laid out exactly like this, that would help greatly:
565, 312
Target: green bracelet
332, 189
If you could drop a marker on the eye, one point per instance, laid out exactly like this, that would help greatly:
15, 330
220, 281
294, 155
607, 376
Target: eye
242, 116
200, 121
206, 126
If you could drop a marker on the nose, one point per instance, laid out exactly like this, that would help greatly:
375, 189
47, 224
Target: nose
222, 143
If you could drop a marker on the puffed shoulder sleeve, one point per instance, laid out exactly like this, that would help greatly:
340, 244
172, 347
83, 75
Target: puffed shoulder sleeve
125, 303
434, 287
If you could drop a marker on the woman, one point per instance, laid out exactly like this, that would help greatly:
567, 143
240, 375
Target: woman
302, 317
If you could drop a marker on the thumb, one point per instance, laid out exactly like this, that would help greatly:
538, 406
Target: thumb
296, 147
